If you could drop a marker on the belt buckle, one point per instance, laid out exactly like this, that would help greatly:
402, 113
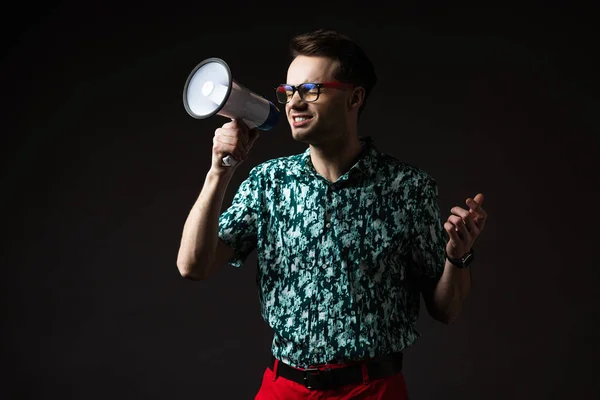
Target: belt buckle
316, 372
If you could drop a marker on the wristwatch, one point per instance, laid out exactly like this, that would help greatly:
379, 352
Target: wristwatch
461, 262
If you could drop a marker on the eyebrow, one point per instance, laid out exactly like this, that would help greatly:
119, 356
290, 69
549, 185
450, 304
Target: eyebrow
308, 81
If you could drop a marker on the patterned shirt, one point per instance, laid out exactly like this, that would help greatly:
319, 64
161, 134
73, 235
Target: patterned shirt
338, 262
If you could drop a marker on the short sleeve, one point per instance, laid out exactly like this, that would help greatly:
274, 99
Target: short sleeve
429, 239
238, 225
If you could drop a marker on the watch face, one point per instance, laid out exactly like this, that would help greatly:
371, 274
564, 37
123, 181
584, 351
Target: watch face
467, 258
461, 262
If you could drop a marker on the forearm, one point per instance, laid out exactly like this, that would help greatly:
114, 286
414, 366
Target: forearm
451, 291
200, 232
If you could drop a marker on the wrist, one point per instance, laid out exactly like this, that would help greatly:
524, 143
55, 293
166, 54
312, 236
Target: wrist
461, 262
457, 256
223, 174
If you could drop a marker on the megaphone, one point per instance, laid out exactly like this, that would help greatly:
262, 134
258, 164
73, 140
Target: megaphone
210, 89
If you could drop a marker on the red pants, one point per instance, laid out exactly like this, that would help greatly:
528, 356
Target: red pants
388, 388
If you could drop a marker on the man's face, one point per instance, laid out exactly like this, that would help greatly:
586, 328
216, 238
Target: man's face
328, 115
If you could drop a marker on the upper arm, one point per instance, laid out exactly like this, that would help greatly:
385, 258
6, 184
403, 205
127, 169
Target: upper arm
239, 224
428, 234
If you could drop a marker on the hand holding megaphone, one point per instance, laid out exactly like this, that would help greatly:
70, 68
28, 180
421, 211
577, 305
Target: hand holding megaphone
233, 140
210, 89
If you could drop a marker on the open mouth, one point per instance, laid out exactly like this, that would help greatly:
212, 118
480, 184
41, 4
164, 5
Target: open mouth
301, 120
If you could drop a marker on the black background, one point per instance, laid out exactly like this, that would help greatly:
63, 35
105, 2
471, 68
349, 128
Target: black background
101, 165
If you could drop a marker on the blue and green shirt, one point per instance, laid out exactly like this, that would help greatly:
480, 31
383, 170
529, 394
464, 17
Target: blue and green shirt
338, 262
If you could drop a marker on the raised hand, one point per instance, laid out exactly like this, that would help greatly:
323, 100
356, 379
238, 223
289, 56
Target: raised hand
465, 226
235, 139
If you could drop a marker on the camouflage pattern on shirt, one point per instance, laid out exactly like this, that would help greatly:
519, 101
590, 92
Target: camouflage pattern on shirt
338, 263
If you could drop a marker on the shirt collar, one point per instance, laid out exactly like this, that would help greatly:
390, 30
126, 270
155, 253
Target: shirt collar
366, 164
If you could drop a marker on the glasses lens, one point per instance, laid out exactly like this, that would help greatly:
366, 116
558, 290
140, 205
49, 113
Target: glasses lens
309, 91
284, 93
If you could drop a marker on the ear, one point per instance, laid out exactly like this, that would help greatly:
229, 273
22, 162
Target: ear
357, 97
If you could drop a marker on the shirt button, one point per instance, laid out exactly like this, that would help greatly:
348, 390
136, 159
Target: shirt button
328, 225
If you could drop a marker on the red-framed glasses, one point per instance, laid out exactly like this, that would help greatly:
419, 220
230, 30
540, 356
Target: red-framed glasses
308, 92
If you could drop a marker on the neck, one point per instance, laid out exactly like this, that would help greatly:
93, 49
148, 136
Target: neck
334, 158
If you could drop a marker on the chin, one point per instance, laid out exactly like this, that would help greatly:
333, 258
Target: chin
308, 136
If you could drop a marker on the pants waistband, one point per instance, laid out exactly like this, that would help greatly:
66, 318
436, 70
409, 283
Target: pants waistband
325, 377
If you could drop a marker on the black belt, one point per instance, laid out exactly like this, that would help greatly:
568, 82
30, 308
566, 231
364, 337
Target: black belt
314, 378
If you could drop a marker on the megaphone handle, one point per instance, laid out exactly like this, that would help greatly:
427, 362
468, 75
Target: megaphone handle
228, 161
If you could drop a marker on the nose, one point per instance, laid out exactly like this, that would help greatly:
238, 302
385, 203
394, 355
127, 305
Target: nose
296, 102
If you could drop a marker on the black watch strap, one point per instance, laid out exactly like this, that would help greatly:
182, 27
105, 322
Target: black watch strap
461, 262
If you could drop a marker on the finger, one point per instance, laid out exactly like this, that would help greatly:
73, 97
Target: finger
239, 123
224, 136
231, 136
232, 125
229, 131
460, 227
223, 149
451, 229
236, 122
233, 133
476, 207
467, 219
479, 198
241, 129
479, 221
461, 212
236, 127
229, 145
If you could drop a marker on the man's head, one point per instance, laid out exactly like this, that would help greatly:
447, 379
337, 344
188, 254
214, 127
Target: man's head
334, 60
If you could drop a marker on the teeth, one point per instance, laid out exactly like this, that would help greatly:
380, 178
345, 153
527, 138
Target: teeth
298, 119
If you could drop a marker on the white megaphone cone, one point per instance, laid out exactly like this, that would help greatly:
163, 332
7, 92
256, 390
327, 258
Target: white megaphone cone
210, 89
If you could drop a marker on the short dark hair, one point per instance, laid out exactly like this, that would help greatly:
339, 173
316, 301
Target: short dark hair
354, 65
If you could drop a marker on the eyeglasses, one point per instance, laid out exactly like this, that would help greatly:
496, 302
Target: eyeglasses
308, 92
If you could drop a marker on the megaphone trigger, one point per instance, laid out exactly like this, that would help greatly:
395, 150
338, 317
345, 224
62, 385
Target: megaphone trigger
228, 161
210, 89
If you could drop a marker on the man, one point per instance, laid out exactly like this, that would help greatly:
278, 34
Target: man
347, 237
